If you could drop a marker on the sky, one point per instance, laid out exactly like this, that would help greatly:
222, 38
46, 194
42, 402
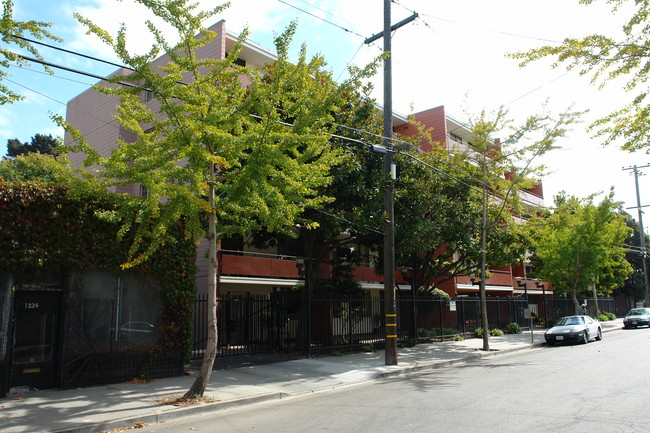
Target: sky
452, 55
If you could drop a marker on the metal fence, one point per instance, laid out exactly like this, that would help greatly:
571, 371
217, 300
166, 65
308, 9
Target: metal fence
283, 322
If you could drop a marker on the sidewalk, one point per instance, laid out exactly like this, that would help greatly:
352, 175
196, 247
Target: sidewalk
123, 405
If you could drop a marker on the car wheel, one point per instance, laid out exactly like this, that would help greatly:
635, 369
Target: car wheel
585, 337
599, 336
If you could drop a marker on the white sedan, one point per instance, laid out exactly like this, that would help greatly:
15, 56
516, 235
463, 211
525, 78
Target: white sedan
574, 329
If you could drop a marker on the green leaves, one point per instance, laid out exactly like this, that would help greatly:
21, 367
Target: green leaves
607, 59
11, 33
263, 148
581, 244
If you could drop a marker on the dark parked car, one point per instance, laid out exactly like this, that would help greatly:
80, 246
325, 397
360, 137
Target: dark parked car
574, 329
637, 317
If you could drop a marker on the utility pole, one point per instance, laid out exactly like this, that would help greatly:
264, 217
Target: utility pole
641, 234
389, 179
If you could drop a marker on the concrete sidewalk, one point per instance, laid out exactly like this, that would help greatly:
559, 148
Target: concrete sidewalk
105, 408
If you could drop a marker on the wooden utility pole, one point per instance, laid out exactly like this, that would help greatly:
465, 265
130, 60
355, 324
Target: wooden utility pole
389, 180
641, 233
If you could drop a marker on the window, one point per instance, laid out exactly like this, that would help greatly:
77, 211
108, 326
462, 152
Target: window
148, 95
144, 192
455, 137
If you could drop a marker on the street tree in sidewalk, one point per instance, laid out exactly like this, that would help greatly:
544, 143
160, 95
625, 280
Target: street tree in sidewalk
608, 59
239, 158
581, 244
12, 33
436, 212
354, 215
503, 170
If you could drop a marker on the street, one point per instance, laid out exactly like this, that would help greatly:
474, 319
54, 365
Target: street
600, 387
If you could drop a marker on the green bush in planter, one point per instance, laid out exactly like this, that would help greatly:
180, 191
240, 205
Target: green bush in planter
513, 328
496, 332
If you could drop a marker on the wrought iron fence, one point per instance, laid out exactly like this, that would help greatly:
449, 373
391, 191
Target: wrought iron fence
284, 322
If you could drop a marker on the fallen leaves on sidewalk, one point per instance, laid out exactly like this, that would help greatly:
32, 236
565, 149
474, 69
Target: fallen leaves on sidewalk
138, 424
140, 380
179, 401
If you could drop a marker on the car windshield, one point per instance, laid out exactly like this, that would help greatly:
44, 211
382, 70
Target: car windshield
637, 312
569, 321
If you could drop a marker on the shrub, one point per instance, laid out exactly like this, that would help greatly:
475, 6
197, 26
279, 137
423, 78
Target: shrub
603, 317
479, 332
513, 328
458, 338
496, 332
611, 316
436, 332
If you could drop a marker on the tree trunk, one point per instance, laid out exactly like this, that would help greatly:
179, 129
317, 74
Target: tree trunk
593, 288
576, 304
484, 227
200, 383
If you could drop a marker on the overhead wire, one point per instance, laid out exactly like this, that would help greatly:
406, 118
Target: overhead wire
356, 141
321, 18
474, 26
393, 139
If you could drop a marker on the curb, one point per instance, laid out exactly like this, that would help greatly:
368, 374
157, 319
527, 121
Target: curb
452, 362
230, 404
170, 414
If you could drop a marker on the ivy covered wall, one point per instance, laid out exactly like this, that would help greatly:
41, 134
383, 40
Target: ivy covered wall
51, 228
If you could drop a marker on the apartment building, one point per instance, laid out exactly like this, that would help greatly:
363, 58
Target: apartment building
245, 270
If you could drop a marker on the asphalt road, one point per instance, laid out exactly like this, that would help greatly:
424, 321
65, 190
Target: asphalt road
600, 387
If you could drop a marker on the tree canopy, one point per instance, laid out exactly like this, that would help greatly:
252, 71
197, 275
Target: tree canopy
505, 169
608, 59
39, 143
36, 167
13, 32
581, 244
209, 148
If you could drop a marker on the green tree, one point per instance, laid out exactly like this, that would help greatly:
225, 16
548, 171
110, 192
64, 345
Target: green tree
634, 287
436, 215
38, 168
241, 158
581, 244
505, 169
12, 32
607, 59
347, 220
40, 143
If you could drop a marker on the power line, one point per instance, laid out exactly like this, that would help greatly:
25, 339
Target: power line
348, 221
321, 19
371, 146
481, 28
76, 53
105, 123
356, 141
51, 75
